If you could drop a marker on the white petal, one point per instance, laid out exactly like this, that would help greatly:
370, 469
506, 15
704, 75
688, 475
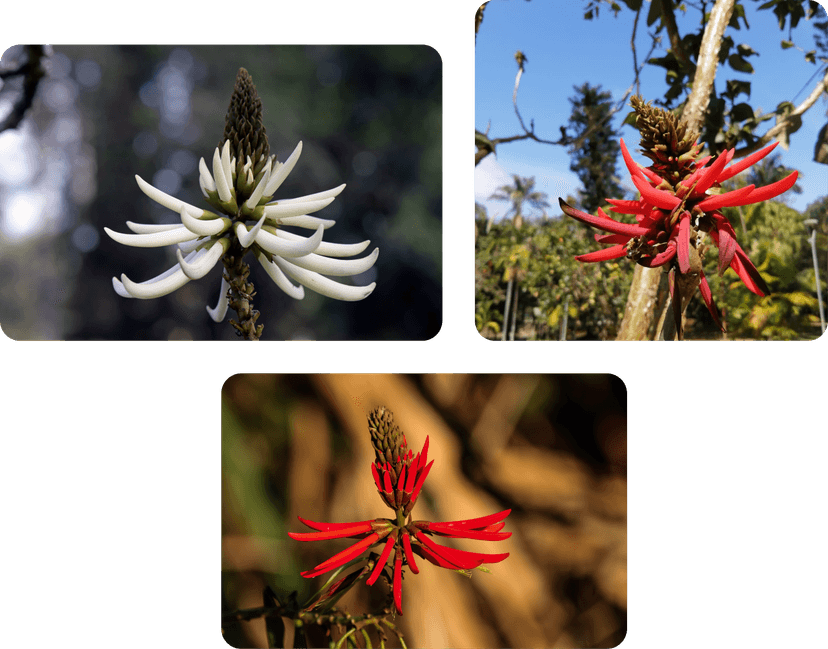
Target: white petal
190, 246
286, 248
164, 284
253, 201
153, 239
202, 187
204, 227
329, 193
323, 285
278, 176
276, 211
222, 186
329, 249
203, 263
227, 164
146, 228
119, 288
220, 311
205, 176
279, 278
305, 221
336, 267
247, 237
165, 199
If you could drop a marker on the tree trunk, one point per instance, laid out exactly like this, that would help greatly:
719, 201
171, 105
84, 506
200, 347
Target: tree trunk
644, 291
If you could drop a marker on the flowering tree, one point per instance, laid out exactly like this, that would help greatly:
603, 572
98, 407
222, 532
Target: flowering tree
241, 187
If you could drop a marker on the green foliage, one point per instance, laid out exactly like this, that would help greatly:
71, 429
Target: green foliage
540, 257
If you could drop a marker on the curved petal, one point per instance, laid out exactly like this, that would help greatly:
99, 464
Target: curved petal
278, 277
326, 248
166, 200
707, 296
746, 162
253, 201
222, 185
286, 248
277, 176
336, 267
729, 199
147, 228
204, 262
657, 197
323, 285
683, 243
247, 237
218, 313
329, 193
159, 286
632, 167
206, 178
153, 239
305, 221
613, 252
383, 559
604, 223
205, 227
278, 210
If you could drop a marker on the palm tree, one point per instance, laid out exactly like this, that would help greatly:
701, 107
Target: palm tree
520, 193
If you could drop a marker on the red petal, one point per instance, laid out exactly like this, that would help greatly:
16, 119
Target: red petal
423, 456
412, 474
747, 161
438, 561
707, 296
401, 481
387, 482
774, 189
657, 197
355, 530
632, 167
409, 555
342, 557
606, 224
628, 207
606, 254
728, 199
386, 552
398, 582
324, 527
473, 523
709, 175
683, 243
727, 245
479, 535
611, 238
747, 272
376, 476
465, 560
658, 260
418, 486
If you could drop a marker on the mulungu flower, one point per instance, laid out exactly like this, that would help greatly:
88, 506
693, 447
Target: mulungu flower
246, 218
676, 210
399, 476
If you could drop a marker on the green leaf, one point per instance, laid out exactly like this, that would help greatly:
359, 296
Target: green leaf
811, 56
739, 64
654, 13
741, 112
787, 45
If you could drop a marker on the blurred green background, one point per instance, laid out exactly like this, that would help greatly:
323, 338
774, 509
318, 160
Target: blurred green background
550, 447
368, 116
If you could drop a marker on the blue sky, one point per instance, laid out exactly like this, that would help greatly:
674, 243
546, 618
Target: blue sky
564, 50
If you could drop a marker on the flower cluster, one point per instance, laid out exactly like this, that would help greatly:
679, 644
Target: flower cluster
676, 208
399, 476
240, 189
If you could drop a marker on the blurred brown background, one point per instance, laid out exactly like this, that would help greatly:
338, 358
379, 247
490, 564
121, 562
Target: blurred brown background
550, 447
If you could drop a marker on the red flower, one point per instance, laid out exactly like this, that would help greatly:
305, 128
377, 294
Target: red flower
399, 481
671, 217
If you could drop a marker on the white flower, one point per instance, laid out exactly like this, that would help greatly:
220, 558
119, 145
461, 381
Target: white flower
203, 237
